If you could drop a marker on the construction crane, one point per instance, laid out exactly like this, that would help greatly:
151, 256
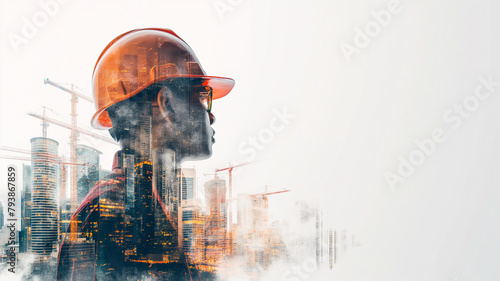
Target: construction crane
230, 170
19, 150
15, 158
79, 130
73, 140
266, 194
12, 149
73, 135
72, 91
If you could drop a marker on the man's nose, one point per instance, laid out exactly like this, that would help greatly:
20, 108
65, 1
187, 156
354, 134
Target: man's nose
212, 118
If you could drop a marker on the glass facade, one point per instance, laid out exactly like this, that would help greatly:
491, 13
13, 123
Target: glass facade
25, 234
87, 175
45, 180
187, 177
216, 221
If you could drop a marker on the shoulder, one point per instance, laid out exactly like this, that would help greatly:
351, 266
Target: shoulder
109, 184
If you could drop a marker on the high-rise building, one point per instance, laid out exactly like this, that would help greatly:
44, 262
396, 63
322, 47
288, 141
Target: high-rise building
25, 234
88, 174
64, 217
215, 198
260, 214
252, 214
244, 213
144, 217
193, 242
216, 248
152, 228
187, 177
44, 210
190, 212
276, 247
259, 243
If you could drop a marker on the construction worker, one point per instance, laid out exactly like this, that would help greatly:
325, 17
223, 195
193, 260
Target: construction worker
153, 96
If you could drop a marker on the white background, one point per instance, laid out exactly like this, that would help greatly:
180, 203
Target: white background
353, 117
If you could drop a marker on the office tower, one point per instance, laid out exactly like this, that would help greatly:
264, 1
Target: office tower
64, 217
276, 248
44, 211
187, 178
216, 221
193, 242
151, 231
260, 214
88, 174
128, 68
244, 213
144, 208
254, 235
190, 211
252, 214
25, 234
215, 198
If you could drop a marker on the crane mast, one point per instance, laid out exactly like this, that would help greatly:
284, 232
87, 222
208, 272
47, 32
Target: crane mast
73, 135
230, 224
72, 156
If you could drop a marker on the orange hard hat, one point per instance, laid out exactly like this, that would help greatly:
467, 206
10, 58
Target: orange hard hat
139, 58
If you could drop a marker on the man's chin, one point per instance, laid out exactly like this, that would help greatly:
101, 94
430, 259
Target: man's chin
201, 154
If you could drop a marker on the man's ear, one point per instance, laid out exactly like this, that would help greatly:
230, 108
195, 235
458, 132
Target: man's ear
163, 98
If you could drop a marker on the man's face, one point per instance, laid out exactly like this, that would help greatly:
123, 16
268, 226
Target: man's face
184, 124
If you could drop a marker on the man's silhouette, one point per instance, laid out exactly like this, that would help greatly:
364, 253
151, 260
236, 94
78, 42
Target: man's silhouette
153, 96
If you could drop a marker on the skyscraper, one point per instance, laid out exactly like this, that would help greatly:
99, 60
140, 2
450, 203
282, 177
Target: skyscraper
193, 232
257, 242
244, 213
44, 211
25, 234
187, 179
215, 198
64, 216
192, 219
252, 214
87, 175
216, 221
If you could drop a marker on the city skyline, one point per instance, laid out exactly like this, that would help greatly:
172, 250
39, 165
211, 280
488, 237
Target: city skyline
198, 218
327, 124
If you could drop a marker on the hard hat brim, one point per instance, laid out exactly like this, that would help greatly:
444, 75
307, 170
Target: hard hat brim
221, 86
